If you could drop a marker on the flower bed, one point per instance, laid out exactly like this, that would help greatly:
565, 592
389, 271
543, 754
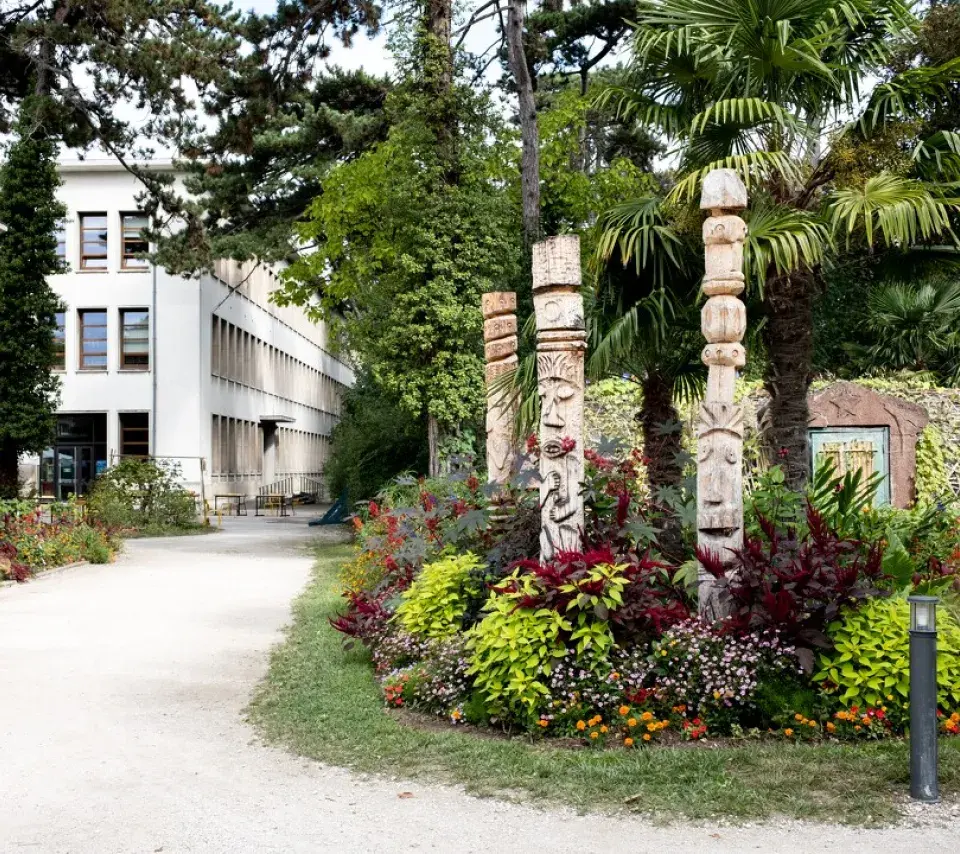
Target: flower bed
604, 645
33, 539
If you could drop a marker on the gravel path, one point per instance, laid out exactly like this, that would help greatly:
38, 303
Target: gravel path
121, 691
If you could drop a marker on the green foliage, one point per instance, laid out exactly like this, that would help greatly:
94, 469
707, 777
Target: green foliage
373, 442
272, 161
931, 473
514, 646
870, 661
142, 495
435, 604
840, 500
402, 256
37, 538
30, 211
573, 192
913, 326
511, 649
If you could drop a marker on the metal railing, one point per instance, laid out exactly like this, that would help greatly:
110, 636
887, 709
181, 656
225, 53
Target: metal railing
299, 488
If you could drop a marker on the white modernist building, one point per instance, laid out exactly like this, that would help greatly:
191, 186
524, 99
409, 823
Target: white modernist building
242, 393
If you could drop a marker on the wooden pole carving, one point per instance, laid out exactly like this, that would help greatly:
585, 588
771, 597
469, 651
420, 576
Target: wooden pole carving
720, 424
561, 344
500, 349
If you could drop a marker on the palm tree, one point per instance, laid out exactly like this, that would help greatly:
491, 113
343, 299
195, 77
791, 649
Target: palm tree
767, 87
915, 326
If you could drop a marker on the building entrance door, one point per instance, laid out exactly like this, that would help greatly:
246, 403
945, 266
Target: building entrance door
66, 470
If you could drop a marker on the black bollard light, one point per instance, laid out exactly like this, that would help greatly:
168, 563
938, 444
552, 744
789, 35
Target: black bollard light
924, 785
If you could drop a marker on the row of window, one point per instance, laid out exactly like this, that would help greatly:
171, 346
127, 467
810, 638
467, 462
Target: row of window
236, 449
95, 241
92, 339
243, 358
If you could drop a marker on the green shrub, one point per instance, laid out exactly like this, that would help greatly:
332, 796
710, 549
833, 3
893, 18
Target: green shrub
434, 605
931, 482
511, 649
142, 495
373, 442
870, 661
514, 647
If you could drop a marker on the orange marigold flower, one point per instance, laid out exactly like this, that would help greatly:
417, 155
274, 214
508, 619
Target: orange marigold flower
581, 726
646, 736
624, 710
857, 728
812, 724
831, 727
798, 717
604, 729
628, 742
594, 735
632, 722
788, 732
614, 675
646, 716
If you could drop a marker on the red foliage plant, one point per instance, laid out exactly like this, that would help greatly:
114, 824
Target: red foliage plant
14, 569
651, 602
795, 586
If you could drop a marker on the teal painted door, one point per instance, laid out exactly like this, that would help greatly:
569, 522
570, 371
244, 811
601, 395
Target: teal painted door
852, 448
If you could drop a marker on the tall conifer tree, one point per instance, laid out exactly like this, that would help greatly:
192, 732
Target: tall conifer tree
29, 211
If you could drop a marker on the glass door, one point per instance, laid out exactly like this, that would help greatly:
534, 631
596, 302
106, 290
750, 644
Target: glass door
66, 472
72, 468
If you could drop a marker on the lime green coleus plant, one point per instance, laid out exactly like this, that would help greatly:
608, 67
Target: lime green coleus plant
434, 605
513, 648
870, 662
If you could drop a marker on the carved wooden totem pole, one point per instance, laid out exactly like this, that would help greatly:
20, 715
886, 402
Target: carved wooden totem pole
720, 425
500, 348
561, 343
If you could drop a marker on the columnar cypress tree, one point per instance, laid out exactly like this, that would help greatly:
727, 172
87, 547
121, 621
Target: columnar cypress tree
28, 255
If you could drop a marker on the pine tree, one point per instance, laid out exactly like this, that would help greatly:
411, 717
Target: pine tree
29, 210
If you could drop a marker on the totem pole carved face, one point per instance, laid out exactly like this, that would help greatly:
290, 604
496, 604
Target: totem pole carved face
499, 442
719, 474
557, 385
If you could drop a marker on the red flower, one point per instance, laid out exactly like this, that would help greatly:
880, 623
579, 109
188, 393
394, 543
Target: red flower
783, 453
533, 444
374, 509
473, 484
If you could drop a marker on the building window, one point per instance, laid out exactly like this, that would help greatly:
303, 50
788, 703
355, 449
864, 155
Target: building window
93, 340
134, 434
133, 242
60, 342
135, 339
93, 242
61, 235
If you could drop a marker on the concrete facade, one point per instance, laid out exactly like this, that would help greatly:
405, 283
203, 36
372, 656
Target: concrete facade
241, 392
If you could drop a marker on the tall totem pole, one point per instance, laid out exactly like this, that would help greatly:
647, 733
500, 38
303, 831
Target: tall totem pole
500, 349
720, 424
561, 344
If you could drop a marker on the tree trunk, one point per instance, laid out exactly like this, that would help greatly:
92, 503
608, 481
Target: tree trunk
529, 131
433, 446
788, 336
662, 447
9, 471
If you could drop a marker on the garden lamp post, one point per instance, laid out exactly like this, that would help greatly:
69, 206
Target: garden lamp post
923, 699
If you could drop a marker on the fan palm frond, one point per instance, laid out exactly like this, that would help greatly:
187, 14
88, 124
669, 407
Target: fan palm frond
783, 239
903, 210
940, 153
753, 167
909, 93
637, 231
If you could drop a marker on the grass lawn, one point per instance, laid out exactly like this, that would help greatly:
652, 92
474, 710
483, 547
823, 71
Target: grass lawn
322, 702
